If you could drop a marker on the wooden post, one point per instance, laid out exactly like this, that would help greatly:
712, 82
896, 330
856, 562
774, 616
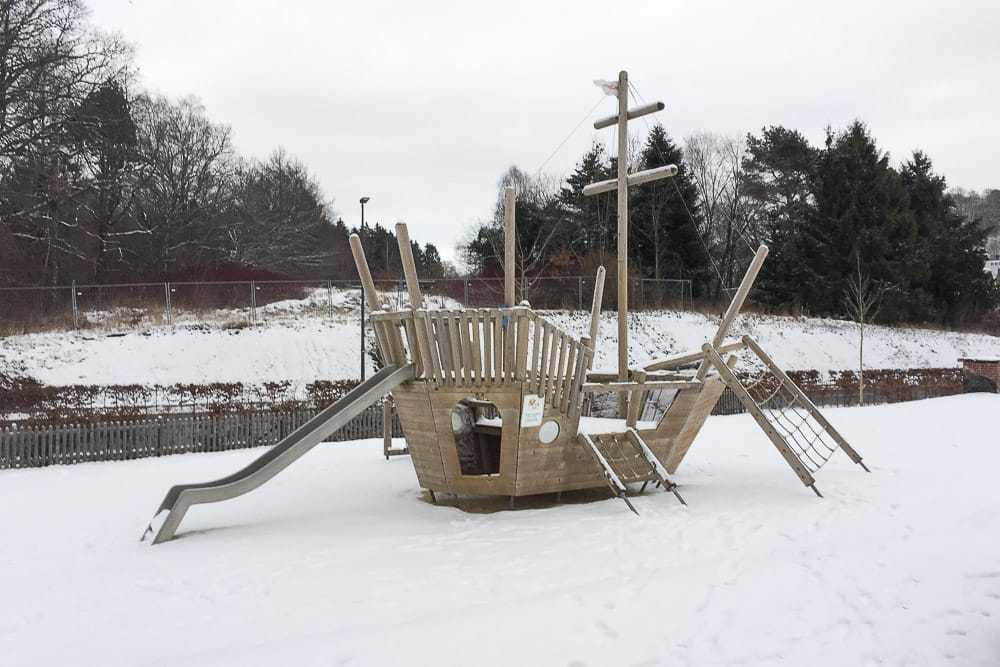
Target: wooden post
387, 425
595, 307
409, 267
508, 246
622, 226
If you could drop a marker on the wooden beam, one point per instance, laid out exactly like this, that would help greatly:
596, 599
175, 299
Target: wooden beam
736, 304
638, 178
595, 306
409, 266
637, 112
683, 358
508, 246
364, 273
648, 385
653, 376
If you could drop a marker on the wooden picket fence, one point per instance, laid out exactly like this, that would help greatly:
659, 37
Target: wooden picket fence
36, 445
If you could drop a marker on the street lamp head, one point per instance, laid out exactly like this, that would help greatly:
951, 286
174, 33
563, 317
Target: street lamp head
364, 200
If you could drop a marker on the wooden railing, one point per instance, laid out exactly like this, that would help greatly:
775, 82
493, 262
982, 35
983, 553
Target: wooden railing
488, 346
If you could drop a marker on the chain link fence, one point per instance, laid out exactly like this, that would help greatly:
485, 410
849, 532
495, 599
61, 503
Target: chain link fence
252, 303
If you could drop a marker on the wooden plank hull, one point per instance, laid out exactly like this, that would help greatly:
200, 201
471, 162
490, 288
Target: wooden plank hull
527, 465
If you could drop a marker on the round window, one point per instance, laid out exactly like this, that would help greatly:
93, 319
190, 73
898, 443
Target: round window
549, 431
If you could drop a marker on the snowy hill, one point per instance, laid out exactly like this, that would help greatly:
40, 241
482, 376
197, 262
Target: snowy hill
303, 341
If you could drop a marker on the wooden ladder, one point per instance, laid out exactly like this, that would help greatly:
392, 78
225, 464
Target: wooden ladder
625, 458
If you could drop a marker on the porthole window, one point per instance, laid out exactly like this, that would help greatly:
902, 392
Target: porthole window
549, 431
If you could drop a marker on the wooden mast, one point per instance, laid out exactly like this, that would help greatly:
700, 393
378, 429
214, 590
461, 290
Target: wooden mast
621, 185
622, 225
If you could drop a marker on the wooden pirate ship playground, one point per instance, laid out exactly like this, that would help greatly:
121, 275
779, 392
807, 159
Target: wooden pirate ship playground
490, 399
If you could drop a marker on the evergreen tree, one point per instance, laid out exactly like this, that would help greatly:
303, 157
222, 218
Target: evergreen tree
591, 218
779, 169
430, 265
954, 246
861, 213
664, 218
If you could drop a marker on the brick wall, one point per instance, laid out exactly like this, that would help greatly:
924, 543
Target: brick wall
981, 374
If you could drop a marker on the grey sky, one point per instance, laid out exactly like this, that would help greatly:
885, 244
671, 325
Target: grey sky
423, 105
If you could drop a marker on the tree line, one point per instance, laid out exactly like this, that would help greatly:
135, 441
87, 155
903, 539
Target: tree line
826, 212
103, 182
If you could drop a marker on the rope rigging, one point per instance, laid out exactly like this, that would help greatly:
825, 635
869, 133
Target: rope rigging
638, 98
571, 133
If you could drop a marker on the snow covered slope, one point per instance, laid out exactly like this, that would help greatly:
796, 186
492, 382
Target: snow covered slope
339, 560
308, 346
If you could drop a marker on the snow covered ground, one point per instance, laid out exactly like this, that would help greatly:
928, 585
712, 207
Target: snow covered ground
339, 560
303, 345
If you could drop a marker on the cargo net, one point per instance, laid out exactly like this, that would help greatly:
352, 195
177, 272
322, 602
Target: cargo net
793, 420
624, 458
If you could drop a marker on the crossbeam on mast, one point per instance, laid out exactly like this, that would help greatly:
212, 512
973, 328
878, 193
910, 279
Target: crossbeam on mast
638, 178
621, 184
632, 114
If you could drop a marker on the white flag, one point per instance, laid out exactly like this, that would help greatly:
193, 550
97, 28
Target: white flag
609, 87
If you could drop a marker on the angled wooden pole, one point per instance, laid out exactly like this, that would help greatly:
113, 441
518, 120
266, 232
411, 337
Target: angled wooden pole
779, 443
595, 307
409, 266
364, 273
623, 225
508, 246
736, 304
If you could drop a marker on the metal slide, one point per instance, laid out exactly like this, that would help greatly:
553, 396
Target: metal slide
167, 519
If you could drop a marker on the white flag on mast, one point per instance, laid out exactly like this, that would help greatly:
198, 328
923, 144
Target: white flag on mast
609, 87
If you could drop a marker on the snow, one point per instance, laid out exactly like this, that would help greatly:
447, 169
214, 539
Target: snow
303, 345
795, 343
340, 560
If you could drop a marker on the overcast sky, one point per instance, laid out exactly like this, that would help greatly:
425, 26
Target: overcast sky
423, 105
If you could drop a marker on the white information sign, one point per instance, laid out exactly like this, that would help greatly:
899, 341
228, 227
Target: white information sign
531, 410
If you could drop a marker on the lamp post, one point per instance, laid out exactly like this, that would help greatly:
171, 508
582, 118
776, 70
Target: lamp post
364, 200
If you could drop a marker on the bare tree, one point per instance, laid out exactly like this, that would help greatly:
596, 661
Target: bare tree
277, 214
50, 60
185, 182
716, 167
862, 298
707, 157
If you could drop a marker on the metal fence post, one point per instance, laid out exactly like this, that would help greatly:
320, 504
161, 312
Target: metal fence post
253, 302
465, 282
166, 303
74, 307
329, 289
579, 292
